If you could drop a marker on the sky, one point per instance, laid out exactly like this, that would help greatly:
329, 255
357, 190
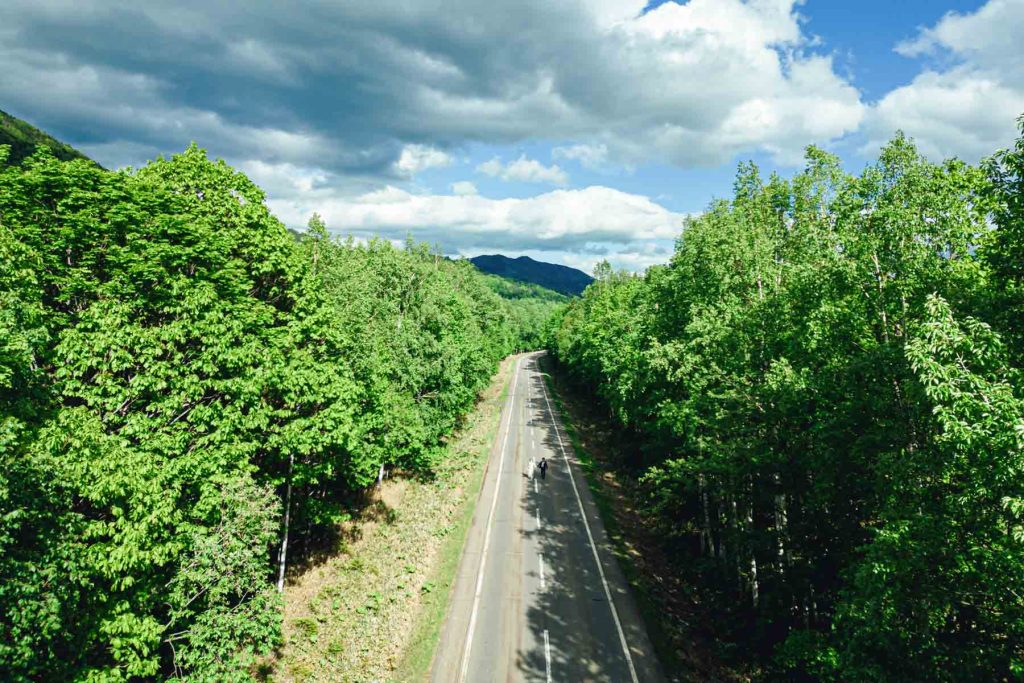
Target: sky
570, 131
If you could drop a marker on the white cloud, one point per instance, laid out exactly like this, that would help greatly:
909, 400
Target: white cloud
577, 227
492, 167
968, 109
960, 112
577, 221
989, 37
416, 158
592, 213
524, 170
464, 188
589, 156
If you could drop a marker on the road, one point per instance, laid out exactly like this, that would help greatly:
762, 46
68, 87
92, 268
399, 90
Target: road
539, 595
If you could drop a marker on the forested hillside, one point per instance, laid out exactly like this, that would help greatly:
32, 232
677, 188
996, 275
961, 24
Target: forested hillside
182, 384
23, 139
825, 386
533, 308
562, 279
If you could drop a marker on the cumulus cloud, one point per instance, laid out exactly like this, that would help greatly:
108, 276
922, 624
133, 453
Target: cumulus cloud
589, 156
969, 108
464, 188
348, 86
416, 158
562, 216
579, 221
524, 170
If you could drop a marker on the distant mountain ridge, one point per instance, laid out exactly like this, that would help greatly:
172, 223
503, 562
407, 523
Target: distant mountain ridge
559, 278
23, 138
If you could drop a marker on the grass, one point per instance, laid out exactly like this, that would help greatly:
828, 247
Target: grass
415, 664
373, 610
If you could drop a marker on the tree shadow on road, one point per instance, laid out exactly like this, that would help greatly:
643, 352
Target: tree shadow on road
573, 609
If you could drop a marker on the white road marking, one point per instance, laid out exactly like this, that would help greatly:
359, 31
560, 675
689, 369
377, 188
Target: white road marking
535, 486
540, 561
538, 519
547, 655
487, 534
590, 538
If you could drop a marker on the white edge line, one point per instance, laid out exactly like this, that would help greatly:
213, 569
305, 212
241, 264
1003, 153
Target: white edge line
463, 670
590, 537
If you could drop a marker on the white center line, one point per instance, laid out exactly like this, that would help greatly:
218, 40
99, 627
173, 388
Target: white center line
487, 534
590, 537
547, 655
540, 561
538, 518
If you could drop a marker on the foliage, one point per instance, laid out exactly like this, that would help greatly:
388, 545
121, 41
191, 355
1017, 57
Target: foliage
175, 369
827, 420
531, 308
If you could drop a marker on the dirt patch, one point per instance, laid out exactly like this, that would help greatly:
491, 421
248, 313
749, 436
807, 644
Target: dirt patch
671, 607
356, 615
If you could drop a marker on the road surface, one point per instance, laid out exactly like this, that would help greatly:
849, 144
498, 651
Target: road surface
539, 595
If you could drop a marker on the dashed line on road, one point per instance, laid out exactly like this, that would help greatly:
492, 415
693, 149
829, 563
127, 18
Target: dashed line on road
547, 655
590, 537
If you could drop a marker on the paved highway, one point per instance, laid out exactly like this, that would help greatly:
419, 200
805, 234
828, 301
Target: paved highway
539, 595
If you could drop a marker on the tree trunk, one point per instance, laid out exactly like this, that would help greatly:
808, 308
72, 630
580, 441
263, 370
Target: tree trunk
755, 588
705, 532
283, 555
781, 523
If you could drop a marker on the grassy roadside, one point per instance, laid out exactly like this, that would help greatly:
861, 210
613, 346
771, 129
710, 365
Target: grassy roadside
415, 664
372, 611
683, 655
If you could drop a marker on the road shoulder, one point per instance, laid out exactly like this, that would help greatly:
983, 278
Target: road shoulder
645, 656
449, 645
373, 610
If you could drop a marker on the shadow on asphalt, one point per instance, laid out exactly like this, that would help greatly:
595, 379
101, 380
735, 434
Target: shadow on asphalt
573, 609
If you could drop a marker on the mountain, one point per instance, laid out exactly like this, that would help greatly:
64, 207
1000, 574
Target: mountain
559, 278
23, 138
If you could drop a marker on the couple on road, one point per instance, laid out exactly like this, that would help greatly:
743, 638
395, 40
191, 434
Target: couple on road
543, 467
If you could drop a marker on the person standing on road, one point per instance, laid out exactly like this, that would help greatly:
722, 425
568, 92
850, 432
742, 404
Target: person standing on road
543, 467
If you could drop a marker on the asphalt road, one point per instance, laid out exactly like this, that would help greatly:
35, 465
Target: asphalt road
539, 595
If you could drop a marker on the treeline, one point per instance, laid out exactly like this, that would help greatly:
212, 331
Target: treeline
825, 383
181, 382
533, 310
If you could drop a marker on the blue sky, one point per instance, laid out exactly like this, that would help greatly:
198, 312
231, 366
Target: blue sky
569, 131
